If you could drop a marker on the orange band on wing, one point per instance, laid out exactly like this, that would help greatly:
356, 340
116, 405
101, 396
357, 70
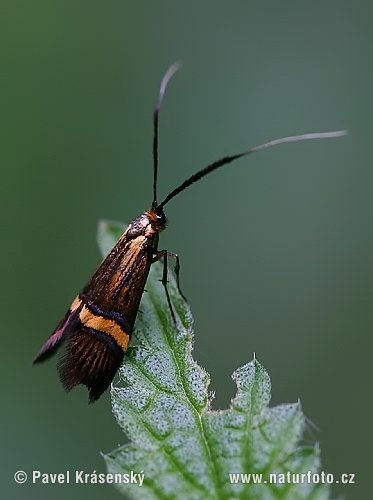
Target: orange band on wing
108, 326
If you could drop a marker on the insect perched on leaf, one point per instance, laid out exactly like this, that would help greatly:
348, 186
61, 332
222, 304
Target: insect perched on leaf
98, 326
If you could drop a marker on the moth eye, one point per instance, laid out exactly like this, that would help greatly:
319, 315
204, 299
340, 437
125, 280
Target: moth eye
161, 218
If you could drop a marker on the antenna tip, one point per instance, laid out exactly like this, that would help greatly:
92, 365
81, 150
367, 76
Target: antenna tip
167, 77
342, 132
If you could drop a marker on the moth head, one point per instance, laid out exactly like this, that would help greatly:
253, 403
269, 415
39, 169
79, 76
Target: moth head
161, 220
157, 217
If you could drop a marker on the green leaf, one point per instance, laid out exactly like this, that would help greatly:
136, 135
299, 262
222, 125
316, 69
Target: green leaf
185, 449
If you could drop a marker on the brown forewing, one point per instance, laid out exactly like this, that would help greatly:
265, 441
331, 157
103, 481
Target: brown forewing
117, 286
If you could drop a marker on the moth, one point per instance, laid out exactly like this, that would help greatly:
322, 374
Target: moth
98, 326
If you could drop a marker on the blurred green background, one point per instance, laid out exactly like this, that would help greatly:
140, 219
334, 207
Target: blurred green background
276, 250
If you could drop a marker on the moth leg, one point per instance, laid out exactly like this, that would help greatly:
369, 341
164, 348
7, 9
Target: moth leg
165, 254
177, 273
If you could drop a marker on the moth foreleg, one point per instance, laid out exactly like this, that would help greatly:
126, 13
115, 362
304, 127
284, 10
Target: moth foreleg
164, 254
